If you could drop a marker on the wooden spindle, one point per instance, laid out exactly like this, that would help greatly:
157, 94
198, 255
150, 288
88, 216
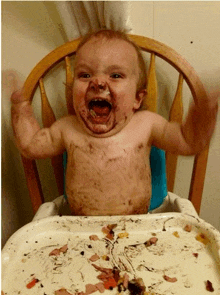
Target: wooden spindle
69, 86
198, 179
176, 115
33, 183
150, 103
48, 119
48, 116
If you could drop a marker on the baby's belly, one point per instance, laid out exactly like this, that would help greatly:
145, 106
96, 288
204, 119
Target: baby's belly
115, 186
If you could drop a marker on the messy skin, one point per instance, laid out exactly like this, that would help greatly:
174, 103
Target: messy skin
109, 176
107, 140
105, 86
110, 161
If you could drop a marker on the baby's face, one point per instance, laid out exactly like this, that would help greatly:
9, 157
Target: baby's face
105, 85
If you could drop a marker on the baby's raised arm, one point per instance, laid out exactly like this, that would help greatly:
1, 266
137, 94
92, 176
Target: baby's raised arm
32, 141
194, 134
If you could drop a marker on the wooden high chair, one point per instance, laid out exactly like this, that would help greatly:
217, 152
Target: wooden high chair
156, 49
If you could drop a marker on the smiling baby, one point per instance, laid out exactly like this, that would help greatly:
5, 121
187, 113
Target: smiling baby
108, 140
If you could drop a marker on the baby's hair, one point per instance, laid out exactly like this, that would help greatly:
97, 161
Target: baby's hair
111, 34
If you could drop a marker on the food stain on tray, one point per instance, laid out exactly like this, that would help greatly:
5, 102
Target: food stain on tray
129, 256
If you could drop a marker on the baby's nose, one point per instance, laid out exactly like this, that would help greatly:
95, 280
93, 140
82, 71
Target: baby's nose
98, 85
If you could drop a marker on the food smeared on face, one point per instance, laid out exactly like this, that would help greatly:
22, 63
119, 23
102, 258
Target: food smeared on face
105, 85
99, 105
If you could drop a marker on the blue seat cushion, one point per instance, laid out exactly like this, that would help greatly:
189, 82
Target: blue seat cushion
158, 177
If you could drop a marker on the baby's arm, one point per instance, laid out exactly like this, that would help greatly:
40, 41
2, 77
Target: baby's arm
194, 134
32, 141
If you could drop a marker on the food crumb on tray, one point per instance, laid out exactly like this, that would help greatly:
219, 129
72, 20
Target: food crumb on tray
209, 286
202, 238
169, 279
57, 252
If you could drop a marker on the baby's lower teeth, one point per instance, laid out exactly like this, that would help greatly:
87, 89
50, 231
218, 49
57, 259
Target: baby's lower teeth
93, 113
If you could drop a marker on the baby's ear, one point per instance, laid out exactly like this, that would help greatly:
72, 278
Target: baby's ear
140, 95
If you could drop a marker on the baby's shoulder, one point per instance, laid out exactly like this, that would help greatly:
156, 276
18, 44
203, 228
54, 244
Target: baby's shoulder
66, 124
145, 116
67, 121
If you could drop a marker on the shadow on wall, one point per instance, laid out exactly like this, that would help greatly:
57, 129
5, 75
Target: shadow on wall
36, 20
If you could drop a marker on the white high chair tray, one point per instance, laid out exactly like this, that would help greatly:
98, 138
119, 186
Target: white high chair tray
176, 262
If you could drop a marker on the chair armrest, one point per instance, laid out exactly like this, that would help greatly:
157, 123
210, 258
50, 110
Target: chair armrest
173, 203
185, 206
48, 209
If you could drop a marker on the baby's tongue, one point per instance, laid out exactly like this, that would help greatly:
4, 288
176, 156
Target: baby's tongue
99, 108
101, 111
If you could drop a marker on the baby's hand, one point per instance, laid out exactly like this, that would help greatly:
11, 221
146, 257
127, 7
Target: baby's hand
14, 84
208, 106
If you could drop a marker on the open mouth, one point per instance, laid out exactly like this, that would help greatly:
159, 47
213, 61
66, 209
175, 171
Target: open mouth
99, 110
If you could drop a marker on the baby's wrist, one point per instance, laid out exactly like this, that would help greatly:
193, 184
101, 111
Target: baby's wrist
210, 102
21, 107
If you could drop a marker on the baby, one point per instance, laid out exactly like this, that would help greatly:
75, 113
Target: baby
107, 141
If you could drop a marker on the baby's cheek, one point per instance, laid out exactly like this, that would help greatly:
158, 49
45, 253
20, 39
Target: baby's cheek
79, 88
123, 112
78, 99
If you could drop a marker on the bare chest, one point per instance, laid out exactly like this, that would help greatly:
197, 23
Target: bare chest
111, 180
93, 158
109, 176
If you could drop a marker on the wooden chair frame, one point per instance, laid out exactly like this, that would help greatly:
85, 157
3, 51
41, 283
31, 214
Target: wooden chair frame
155, 48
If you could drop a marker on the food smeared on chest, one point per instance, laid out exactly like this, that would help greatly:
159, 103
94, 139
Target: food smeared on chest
140, 147
98, 173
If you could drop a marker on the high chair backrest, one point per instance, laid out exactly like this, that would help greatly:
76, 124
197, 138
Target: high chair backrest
156, 49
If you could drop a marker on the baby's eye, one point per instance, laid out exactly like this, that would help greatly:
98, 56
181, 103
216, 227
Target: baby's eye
83, 75
116, 76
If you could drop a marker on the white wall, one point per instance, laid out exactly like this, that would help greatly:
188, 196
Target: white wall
29, 33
